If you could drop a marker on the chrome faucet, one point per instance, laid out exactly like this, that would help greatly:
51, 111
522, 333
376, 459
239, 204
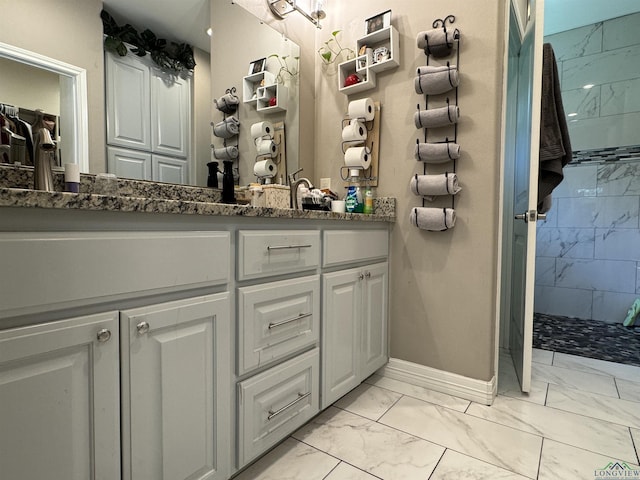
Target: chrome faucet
293, 187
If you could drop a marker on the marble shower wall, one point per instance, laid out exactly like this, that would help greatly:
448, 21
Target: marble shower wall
607, 56
588, 249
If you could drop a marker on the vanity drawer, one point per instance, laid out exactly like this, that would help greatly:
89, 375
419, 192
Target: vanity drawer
80, 268
276, 320
263, 253
276, 402
348, 246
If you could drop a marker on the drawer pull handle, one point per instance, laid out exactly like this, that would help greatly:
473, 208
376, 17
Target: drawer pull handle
286, 247
301, 396
289, 320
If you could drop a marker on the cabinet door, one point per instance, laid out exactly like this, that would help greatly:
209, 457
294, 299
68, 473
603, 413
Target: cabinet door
170, 114
128, 102
374, 318
342, 300
59, 397
169, 169
176, 390
129, 163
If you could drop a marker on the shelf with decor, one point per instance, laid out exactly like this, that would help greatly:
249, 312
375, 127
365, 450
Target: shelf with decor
251, 84
377, 51
267, 94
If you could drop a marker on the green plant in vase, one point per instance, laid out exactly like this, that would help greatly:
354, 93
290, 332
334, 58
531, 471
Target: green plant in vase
289, 67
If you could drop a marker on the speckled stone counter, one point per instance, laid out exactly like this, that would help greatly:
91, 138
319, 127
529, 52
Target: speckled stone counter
153, 197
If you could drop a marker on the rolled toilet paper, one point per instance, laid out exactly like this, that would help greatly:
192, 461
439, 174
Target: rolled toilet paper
363, 108
265, 169
261, 129
358, 157
266, 147
355, 131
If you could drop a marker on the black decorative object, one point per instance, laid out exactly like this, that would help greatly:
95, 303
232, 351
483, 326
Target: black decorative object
175, 57
212, 178
228, 195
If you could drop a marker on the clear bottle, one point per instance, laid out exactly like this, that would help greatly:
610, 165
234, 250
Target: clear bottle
354, 202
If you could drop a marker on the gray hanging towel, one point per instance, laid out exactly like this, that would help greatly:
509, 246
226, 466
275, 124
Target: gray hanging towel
555, 144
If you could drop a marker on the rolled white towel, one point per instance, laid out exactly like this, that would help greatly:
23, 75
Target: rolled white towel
436, 152
437, 42
228, 103
436, 80
226, 153
437, 117
226, 128
430, 186
433, 219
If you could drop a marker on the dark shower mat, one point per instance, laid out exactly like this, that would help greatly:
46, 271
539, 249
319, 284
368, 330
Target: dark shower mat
587, 338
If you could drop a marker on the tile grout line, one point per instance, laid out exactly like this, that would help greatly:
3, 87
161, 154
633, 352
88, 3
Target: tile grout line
437, 463
540, 457
633, 444
390, 407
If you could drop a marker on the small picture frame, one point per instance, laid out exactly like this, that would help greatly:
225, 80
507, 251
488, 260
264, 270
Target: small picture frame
257, 66
377, 22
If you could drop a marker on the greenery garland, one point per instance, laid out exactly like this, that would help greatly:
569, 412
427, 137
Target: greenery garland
175, 58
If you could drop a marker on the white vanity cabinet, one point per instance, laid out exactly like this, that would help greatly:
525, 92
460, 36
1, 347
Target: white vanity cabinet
175, 401
354, 310
147, 112
59, 400
278, 329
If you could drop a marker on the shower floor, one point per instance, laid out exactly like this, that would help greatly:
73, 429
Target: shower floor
587, 338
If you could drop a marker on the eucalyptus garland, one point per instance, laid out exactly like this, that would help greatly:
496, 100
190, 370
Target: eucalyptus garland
175, 57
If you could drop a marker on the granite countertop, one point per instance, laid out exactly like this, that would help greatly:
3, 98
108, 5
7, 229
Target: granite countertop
154, 197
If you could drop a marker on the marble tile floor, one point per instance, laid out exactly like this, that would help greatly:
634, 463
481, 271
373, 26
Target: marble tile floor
587, 338
387, 429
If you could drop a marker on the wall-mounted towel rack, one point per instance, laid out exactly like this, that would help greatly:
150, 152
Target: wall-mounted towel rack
438, 84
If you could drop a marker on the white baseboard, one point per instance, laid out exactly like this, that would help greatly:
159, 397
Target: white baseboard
479, 391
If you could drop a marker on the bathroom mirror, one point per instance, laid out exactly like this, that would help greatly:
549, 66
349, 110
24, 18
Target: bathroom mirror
240, 35
67, 100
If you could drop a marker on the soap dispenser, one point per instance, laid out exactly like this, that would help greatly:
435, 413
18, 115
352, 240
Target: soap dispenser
353, 201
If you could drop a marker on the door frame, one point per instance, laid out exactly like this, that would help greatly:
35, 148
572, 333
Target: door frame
519, 15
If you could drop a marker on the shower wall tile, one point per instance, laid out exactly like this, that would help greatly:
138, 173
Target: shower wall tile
623, 244
638, 278
619, 178
601, 68
611, 307
578, 181
565, 242
608, 275
584, 102
601, 212
570, 302
545, 271
577, 42
613, 131
621, 32
619, 97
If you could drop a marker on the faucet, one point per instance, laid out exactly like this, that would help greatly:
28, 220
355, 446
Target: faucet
294, 184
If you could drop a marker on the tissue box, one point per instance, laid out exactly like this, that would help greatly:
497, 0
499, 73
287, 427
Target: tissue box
272, 196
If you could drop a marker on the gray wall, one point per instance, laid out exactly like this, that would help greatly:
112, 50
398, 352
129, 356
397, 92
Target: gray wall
443, 285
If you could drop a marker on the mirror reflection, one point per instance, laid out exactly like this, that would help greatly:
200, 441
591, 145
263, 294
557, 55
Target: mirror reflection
238, 39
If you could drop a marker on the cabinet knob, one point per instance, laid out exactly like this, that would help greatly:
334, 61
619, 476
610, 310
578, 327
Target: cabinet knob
142, 328
361, 276
368, 274
104, 335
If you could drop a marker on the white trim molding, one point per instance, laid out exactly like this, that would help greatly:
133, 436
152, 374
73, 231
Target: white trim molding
479, 391
73, 86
